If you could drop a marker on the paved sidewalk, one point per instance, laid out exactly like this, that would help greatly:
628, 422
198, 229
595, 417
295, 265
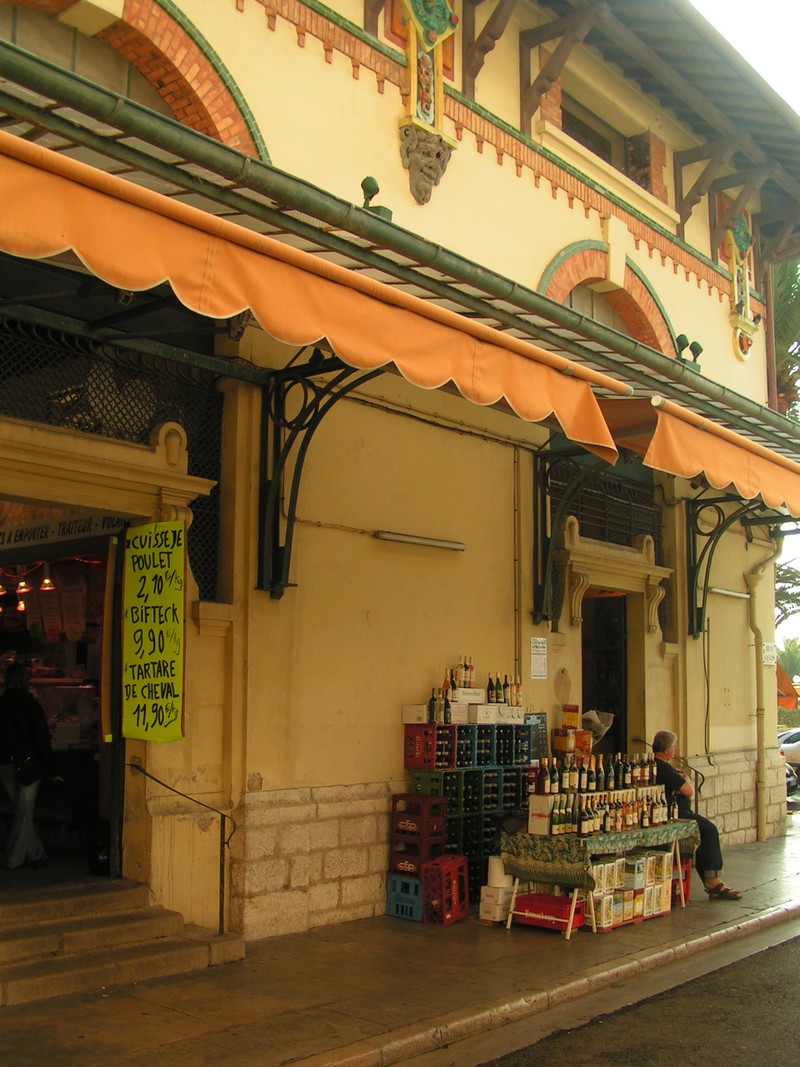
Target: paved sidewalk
383, 990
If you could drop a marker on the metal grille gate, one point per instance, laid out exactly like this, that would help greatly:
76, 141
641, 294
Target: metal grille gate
51, 376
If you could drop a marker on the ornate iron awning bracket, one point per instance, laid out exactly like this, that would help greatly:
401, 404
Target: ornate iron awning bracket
699, 560
295, 402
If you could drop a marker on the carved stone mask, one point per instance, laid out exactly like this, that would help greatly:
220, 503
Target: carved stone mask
425, 156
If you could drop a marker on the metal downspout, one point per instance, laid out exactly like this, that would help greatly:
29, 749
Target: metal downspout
124, 114
753, 579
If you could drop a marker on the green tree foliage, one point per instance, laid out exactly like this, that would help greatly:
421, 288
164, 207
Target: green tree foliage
789, 656
787, 592
786, 318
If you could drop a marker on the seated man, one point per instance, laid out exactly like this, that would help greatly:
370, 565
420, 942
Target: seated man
708, 858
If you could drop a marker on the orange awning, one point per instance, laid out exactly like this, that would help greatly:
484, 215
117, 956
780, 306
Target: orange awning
680, 442
787, 695
136, 239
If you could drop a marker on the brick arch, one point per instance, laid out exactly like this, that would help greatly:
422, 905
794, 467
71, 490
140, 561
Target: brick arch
635, 302
173, 60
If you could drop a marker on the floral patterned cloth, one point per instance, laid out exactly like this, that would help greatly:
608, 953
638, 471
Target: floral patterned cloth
566, 860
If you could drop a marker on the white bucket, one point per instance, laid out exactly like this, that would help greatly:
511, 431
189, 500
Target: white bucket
497, 876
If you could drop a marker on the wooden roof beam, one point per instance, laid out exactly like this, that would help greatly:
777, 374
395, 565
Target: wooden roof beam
686, 204
737, 207
475, 50
572, 29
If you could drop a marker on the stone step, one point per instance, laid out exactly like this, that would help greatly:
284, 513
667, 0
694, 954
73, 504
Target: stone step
101, 969
73, 935
55, 903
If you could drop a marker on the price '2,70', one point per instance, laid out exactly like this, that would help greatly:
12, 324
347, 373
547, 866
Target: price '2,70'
148, 642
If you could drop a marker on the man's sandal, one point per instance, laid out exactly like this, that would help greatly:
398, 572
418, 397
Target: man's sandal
722, 892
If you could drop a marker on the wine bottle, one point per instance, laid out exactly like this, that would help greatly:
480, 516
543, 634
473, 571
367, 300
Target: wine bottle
591, 776
635, 771
583, 776
543, 779
506, 691
554, 777
432, 707
490, 697
619, 773
439, 706
564, 784
460, 683
626, 772
471, 682
452, 679
574, 775
498, 690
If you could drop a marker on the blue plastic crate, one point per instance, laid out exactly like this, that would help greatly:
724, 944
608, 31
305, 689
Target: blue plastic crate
485, 744
523, 743
465, 744
493, 788
404, 897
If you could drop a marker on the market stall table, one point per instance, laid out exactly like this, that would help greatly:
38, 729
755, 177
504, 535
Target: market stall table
566, 860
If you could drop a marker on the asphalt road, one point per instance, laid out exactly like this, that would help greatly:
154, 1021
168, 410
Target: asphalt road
739, 1016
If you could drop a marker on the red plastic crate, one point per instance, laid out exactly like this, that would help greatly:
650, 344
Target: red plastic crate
429, 747
686, 873
445, 890
427, 805
547, 911
407, 857
418, 827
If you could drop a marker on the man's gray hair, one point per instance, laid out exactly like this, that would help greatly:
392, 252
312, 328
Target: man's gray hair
663, 740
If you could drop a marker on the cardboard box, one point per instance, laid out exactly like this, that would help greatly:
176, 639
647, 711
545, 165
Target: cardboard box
635, 872
414, 712
627, 905
563, 740
496, 894
650, 869
570, 717
619, 872
493, 913
618, 907
604, 915
459, 712
638, 903
662, 866
467, 696
666, 896
496, 713
610, 876
566, 741
539, 808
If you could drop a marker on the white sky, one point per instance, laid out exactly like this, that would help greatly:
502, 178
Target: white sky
766, 34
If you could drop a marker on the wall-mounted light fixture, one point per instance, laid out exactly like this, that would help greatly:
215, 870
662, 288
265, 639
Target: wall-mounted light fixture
695, 348
47, 582
681, 342
414, 539
22, 585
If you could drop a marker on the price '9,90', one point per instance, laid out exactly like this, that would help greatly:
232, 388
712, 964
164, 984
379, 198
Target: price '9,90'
148, 642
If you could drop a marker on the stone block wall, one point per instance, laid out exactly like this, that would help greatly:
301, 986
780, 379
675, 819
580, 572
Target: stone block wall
728, 794
310, 857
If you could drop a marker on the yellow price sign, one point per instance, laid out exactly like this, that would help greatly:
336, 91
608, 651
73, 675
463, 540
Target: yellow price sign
153, 631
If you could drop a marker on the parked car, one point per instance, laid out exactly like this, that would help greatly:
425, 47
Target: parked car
791, 781
789, 744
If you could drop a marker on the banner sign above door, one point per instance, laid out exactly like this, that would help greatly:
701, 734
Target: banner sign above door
153, 631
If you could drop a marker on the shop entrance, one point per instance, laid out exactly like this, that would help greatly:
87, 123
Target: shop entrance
604, 651
56, 618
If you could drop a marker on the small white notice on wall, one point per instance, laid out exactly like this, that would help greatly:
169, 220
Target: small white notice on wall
538, 657
769, 654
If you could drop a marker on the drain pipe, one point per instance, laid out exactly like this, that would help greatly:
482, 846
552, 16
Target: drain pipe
753, 579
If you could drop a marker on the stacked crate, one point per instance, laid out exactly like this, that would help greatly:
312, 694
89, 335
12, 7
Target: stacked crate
417, 834
482, 771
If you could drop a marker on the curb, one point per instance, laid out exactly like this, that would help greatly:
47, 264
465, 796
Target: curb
398, 1045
